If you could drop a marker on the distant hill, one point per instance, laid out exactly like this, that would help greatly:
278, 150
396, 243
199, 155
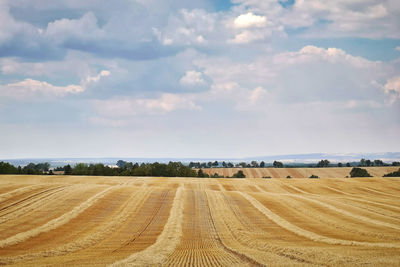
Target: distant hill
294, 159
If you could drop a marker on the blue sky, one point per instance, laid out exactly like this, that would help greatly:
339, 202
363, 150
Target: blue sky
203, 78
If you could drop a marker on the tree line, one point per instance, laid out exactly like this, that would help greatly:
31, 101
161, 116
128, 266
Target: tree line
31, 168
324, 163
172, 169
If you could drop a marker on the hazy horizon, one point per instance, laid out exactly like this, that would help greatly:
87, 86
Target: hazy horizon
198, 79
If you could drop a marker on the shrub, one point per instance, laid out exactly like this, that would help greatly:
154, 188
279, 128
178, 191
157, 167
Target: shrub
267, 177
393, 174
288, 177
313, 176
239, 174
359, 172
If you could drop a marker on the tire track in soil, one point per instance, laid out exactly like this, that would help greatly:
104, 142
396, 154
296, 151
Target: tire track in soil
200, 237
84, 241
32, 205
166, 241
53, 224
307, 234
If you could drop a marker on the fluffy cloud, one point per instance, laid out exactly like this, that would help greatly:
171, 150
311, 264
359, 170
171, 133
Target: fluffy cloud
192, 78
256, 94
312, 53
127, 107
90, 79
250, 20
310, 75
392, 87
83, 28
29, 88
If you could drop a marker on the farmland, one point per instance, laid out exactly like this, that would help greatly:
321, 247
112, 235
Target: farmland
333, 172
118, 221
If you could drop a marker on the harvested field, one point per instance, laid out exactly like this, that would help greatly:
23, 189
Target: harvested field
120, 221
333, 172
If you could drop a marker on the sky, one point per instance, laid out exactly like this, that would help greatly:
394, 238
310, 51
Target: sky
177, 78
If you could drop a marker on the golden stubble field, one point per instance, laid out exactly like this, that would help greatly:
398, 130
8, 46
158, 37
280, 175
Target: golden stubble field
118, 221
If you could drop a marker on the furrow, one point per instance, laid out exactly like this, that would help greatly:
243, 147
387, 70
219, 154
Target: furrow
20, 237
84, 241
307, 234
166, 241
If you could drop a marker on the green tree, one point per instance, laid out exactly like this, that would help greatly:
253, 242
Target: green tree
67, 170
262, 164
81, 169
239, 174
323, 163
393, 174
362, 163
277, 164
359, 172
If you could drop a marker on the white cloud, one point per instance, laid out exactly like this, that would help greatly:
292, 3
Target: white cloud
392, 87
126, 107
312, 53
398, 48
192, 78
250, 20
82, 28
90, 79
248, 36
29, 87
256, 94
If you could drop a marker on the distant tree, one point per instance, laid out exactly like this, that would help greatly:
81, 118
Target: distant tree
359, 172
230, 165
243, 164
224, 164
348, 164
7, 168
239, 174
362, 163
67, 170
393, 174
378, 162
215, 164
368, 162
262, 164
340, 164
121, 164
396, 163
277, 164
42, 167
323, 163
200, 173
81, 169
51, 172
254, 164
209, 164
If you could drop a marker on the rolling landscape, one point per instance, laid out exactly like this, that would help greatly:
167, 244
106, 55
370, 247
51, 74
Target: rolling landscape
134, 221
200, 133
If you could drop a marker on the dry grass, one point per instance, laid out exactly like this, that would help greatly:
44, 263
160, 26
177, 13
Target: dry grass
118, 221
333, 172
